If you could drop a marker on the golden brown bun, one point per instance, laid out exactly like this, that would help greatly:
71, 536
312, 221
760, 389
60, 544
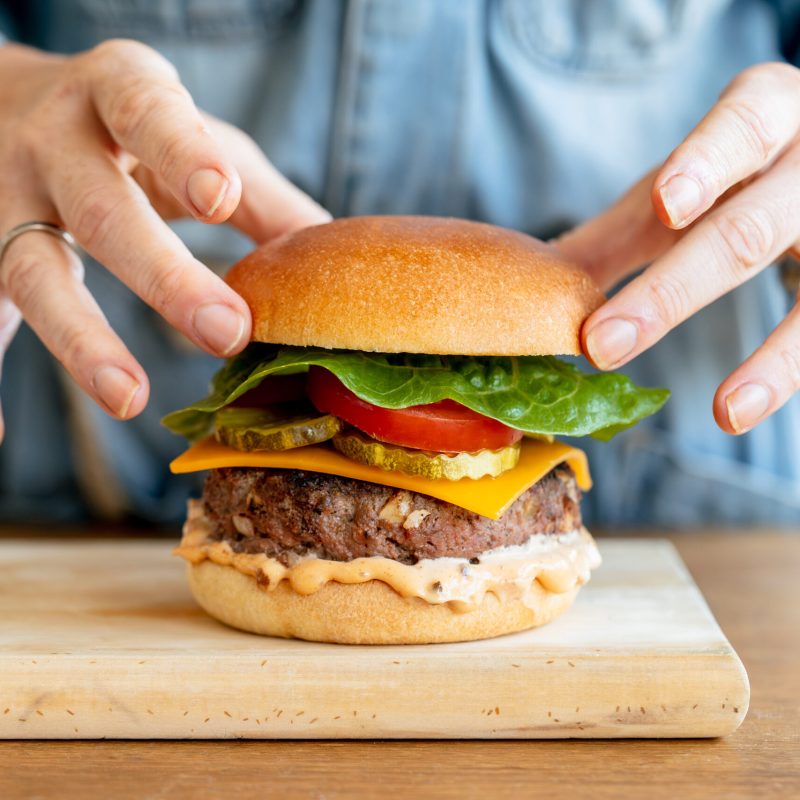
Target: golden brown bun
415, 285
364, 613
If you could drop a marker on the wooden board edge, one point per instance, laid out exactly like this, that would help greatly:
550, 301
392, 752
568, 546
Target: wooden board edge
704, 695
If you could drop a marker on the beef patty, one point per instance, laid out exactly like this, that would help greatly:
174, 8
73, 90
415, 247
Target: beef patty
289, 513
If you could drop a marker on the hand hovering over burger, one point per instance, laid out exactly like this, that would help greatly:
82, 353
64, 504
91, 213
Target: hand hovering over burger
108, 144
723, 206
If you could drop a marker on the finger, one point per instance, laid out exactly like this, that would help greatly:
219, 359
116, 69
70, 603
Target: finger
110, 216
731, 245
10, 319
756, 117
150, 114
764, 382
270, 205
621, 239
43, 279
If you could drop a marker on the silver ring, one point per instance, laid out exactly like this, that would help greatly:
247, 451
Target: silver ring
43, 227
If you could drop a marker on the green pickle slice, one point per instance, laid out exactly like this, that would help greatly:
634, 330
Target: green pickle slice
265, 429
424, 463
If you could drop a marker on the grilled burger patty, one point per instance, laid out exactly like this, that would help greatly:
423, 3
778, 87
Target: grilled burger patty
288, 513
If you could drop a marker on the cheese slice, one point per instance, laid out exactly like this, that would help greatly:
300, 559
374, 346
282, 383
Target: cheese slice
490, 497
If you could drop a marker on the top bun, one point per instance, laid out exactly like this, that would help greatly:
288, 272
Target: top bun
415, 285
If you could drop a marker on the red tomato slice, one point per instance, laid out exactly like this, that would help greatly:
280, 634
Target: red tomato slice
276, 389
446, 426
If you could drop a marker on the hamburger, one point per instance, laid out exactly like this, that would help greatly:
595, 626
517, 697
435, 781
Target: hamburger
382, 459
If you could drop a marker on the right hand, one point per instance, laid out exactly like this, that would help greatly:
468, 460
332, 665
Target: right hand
722, 208
108, 143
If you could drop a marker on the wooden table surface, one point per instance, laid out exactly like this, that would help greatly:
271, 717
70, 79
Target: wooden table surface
752, 583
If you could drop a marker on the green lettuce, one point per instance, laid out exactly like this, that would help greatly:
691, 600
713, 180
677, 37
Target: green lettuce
535, 394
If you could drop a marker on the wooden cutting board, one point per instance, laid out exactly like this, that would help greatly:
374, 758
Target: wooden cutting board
102, 639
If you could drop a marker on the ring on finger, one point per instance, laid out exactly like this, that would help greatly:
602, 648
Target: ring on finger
42, 227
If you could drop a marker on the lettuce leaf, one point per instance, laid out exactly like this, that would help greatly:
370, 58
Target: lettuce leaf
535, 394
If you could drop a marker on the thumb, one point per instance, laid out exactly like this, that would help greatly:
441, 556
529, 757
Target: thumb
621, 239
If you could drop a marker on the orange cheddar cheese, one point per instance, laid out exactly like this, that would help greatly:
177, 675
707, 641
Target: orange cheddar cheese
490, 497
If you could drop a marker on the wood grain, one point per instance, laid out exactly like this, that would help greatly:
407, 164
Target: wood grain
751, 583
103, 640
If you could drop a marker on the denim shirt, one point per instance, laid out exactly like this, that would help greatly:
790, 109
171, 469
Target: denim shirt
531, 114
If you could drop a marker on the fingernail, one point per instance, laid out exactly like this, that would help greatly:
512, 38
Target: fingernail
681, 196
746, 406
610, 341
219, 326
116, 388
207, 189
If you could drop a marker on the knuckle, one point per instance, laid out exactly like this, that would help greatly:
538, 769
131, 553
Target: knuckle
21, 277
748, 118
175, 151
131, 107
171, 154
165, 286
75, 348
747, 237
104, 56
670, 298
92, 215
140, 101
113, 49
128, 52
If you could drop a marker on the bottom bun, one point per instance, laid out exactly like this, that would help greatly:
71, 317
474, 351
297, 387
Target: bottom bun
363, 613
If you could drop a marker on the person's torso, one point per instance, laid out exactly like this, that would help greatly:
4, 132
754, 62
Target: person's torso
525, 113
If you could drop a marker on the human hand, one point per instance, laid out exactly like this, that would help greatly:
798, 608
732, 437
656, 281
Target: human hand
107, 143
724, 205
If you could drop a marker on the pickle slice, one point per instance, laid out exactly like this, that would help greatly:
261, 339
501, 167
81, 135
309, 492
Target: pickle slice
424, 463
264, 429
245, 417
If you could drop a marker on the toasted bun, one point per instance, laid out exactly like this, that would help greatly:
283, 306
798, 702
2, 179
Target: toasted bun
364, 613
415, 285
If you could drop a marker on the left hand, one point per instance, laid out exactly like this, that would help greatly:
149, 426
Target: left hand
723, 206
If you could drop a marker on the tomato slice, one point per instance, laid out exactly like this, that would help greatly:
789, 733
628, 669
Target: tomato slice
445, 427
272, 390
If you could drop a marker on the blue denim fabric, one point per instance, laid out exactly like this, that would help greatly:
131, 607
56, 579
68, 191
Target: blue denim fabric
527, 113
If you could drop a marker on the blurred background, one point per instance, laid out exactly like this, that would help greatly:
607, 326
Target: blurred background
525, 113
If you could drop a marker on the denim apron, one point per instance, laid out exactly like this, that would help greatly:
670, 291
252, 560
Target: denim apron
531, 114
